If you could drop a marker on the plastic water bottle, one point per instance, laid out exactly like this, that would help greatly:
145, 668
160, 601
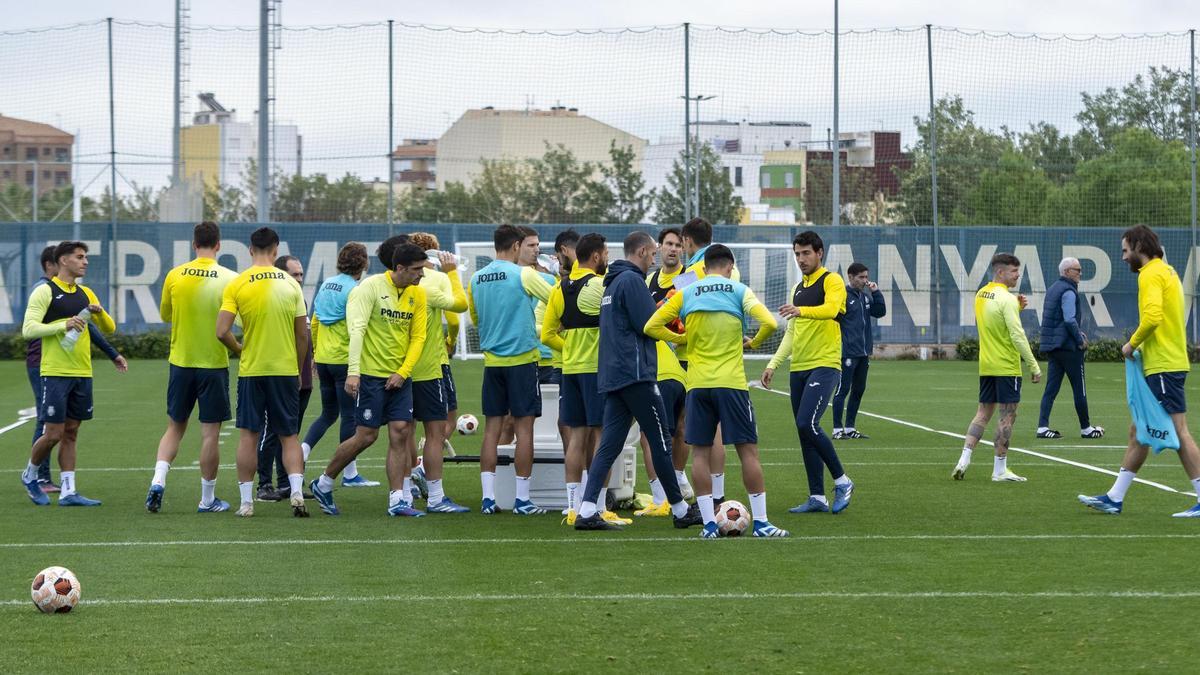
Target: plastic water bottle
432, 256
549, 263
71, 337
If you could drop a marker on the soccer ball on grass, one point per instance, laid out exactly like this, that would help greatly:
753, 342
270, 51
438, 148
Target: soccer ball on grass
55, 590
467, 424
732, 518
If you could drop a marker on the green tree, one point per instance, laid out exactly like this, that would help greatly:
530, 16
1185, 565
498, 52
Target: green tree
1141, 179
718, 203
964, 150
1159, 103
858, 204
1014, 192
560, 189
622, 196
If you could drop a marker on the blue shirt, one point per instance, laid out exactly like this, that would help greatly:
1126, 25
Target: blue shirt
499, 300
330, 303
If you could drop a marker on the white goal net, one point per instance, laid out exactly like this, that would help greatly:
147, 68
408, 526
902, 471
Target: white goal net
768, 269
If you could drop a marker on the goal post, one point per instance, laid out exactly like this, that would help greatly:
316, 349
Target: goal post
768, 269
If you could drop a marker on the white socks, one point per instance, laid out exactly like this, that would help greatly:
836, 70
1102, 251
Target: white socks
246, 490
965, 457
351, 470
679, 509
603, 499
30, 473
707, 512
296, 482
397, 496
758, 506
160, 473
487, 480
68, 484
208, 490
999, 465
1121, 485
820, 498
587, 510
681, 478
842, 480
523, 488
436, 495
407, 486
718, 484
573, 496
325, 483
657, 492
306, 449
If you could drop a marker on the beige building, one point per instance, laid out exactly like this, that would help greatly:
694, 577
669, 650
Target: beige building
414, 164
491, 134
32, 153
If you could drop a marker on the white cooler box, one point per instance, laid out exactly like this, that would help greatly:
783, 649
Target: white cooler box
548, 485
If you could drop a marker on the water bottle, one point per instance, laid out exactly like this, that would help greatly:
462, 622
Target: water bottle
549, 263
432, 256
71, 337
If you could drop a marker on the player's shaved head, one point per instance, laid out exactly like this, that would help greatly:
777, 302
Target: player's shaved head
264, 239
636, 240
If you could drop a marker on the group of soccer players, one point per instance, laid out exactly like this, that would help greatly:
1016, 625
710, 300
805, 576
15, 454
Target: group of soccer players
665, 350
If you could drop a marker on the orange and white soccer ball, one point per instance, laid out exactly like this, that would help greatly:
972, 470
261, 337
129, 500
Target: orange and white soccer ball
467, 424
732, 518
55, 590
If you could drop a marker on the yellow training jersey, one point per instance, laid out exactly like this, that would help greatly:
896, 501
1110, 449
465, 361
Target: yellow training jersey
191, 299
443, 293
50, 305
714, 314
1002, 341
1161, 319
268, 302
387, 327
580, 345
668, 364
814, 339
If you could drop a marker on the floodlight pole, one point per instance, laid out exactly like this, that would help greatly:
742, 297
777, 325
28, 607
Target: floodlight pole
175, 130
114, 298
687, 122
391, 198
1192, 81
937, 269
837, 153
264, 113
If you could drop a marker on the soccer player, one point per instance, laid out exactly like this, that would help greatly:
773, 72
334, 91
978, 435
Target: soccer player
863, 303
813, 342
191, 299
386, 317
696, 236
443, 293
33, 361
270, 451
1002, 348
672, 380
274, 344
331, 352
498, 300
714, 311
574, 307
52, 315
564, 250
1065, 347
1161, 338
629, 382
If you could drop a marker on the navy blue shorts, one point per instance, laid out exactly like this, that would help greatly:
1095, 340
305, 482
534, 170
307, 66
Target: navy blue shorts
580, 403
429, 400
207, 386
1168, 389
65, 398
731, 408
448, 387
269, 401
512, 390
549, 375
673, 395
377, 406
999, 389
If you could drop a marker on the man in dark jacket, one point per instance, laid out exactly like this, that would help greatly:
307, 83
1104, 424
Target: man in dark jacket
627, 376
1064, 346
863, 303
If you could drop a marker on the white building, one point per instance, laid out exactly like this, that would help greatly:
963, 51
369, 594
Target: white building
740, 146
218, 148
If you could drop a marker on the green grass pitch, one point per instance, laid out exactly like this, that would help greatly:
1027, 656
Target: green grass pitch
922, 573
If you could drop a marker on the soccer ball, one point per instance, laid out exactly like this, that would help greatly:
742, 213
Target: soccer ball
467, 424
55, 590
732, 518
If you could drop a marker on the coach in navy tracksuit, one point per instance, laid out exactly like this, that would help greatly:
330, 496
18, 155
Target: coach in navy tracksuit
1064, 346
628, 378
863, 303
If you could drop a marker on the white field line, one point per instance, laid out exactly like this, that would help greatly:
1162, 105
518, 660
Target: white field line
644, 597
586, 540
14, 425
1012, 448
731, 461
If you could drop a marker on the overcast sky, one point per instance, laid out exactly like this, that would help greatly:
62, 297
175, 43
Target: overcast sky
1054, 16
